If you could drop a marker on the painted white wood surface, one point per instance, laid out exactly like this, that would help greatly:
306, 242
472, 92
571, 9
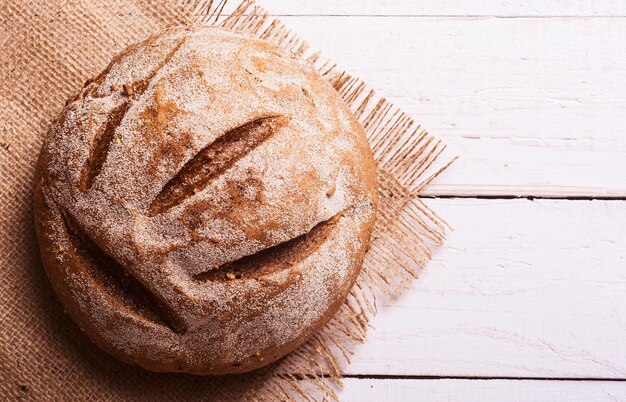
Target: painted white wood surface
521, 289
533, 106
533, 103
359, 390
532, 96
508, 8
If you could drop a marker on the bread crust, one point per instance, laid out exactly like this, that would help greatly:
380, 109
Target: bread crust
204, 204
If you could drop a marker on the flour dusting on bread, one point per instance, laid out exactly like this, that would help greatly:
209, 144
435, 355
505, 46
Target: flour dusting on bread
172, 98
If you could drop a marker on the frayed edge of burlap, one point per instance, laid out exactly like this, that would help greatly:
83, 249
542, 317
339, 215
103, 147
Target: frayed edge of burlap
405, 229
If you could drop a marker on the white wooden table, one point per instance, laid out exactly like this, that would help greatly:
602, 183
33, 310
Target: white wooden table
527, 299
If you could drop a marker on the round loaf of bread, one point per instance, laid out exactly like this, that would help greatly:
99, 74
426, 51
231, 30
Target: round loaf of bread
204, 204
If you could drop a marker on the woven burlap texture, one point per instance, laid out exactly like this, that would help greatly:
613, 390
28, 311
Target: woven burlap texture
47, 50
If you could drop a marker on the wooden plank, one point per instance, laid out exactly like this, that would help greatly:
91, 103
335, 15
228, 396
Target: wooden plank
359, 390
532, 106
543, 167
521, 289
447, 7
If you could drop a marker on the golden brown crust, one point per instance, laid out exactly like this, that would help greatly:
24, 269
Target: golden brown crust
204, 204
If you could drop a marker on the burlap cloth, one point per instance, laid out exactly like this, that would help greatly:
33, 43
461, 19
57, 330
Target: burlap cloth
47, 50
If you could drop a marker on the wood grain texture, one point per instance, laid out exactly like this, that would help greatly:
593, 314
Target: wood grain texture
359, 390
520, 289
532, 106
509, 8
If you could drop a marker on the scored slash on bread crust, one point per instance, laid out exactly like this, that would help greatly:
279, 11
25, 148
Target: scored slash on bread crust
213, 160
204, 204
275, 258
100, 148
102, 141
114, 279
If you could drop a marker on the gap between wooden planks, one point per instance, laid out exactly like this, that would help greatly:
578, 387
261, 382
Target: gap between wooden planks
481, 391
